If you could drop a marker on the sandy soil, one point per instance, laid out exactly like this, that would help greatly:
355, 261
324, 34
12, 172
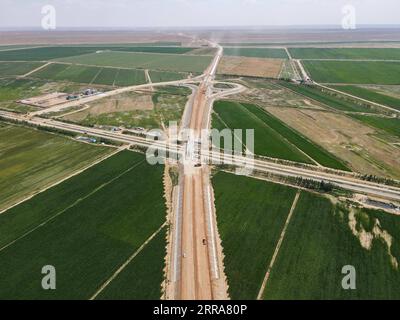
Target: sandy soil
347, 138
46, 100
253, 67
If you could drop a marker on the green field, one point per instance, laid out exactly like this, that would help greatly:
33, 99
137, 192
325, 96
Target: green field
272, 137
46, 53
251, 216
105, 76
147, 272
256, 52
319, 243
163, 76
333, 100
353, 72
346, 53
87, 227
370, 95
128, 77
317, 153
150, 49
54, 52
15, 89
390, 125
167, 62
31, 160
88, 74
17, 68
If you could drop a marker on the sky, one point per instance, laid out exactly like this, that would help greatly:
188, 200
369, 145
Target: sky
195, 13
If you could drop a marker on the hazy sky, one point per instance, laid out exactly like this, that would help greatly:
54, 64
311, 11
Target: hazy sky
154, 13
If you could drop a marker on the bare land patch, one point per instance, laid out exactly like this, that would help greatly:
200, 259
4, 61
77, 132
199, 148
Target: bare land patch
251, 67
267, 93
121, 103
348, 139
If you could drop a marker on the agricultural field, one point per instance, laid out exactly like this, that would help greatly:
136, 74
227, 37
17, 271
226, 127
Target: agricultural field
270, 94
371, 72
17, 68
92, 75
147, 270
389, 125
163, 76
150, 49
46, 53
305, 145
166, 62
322, 238
32, 160
267, 142
272, 137
12, 90
249, 240
331, 100
250, 67
131, 110
109, 209
370, 95
358, 145
256, 52
346, 53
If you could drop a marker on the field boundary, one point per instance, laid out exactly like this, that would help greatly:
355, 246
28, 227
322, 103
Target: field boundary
278, 246
95, 190
127, 262
283, 138
101, 159
37, 69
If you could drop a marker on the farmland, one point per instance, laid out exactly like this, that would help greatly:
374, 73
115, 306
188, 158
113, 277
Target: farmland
17, 68
249, 240
370, 95
251, 67
334, 101
167, 62
267, 126
352, 72
107, 208
256, 52
319, 241
31, 160
150, 49
54, 52
346, 53
267, 142
140, 280
390, 125
131, 110
88, 74
358, 145
163, 76
45, 53
314, 151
